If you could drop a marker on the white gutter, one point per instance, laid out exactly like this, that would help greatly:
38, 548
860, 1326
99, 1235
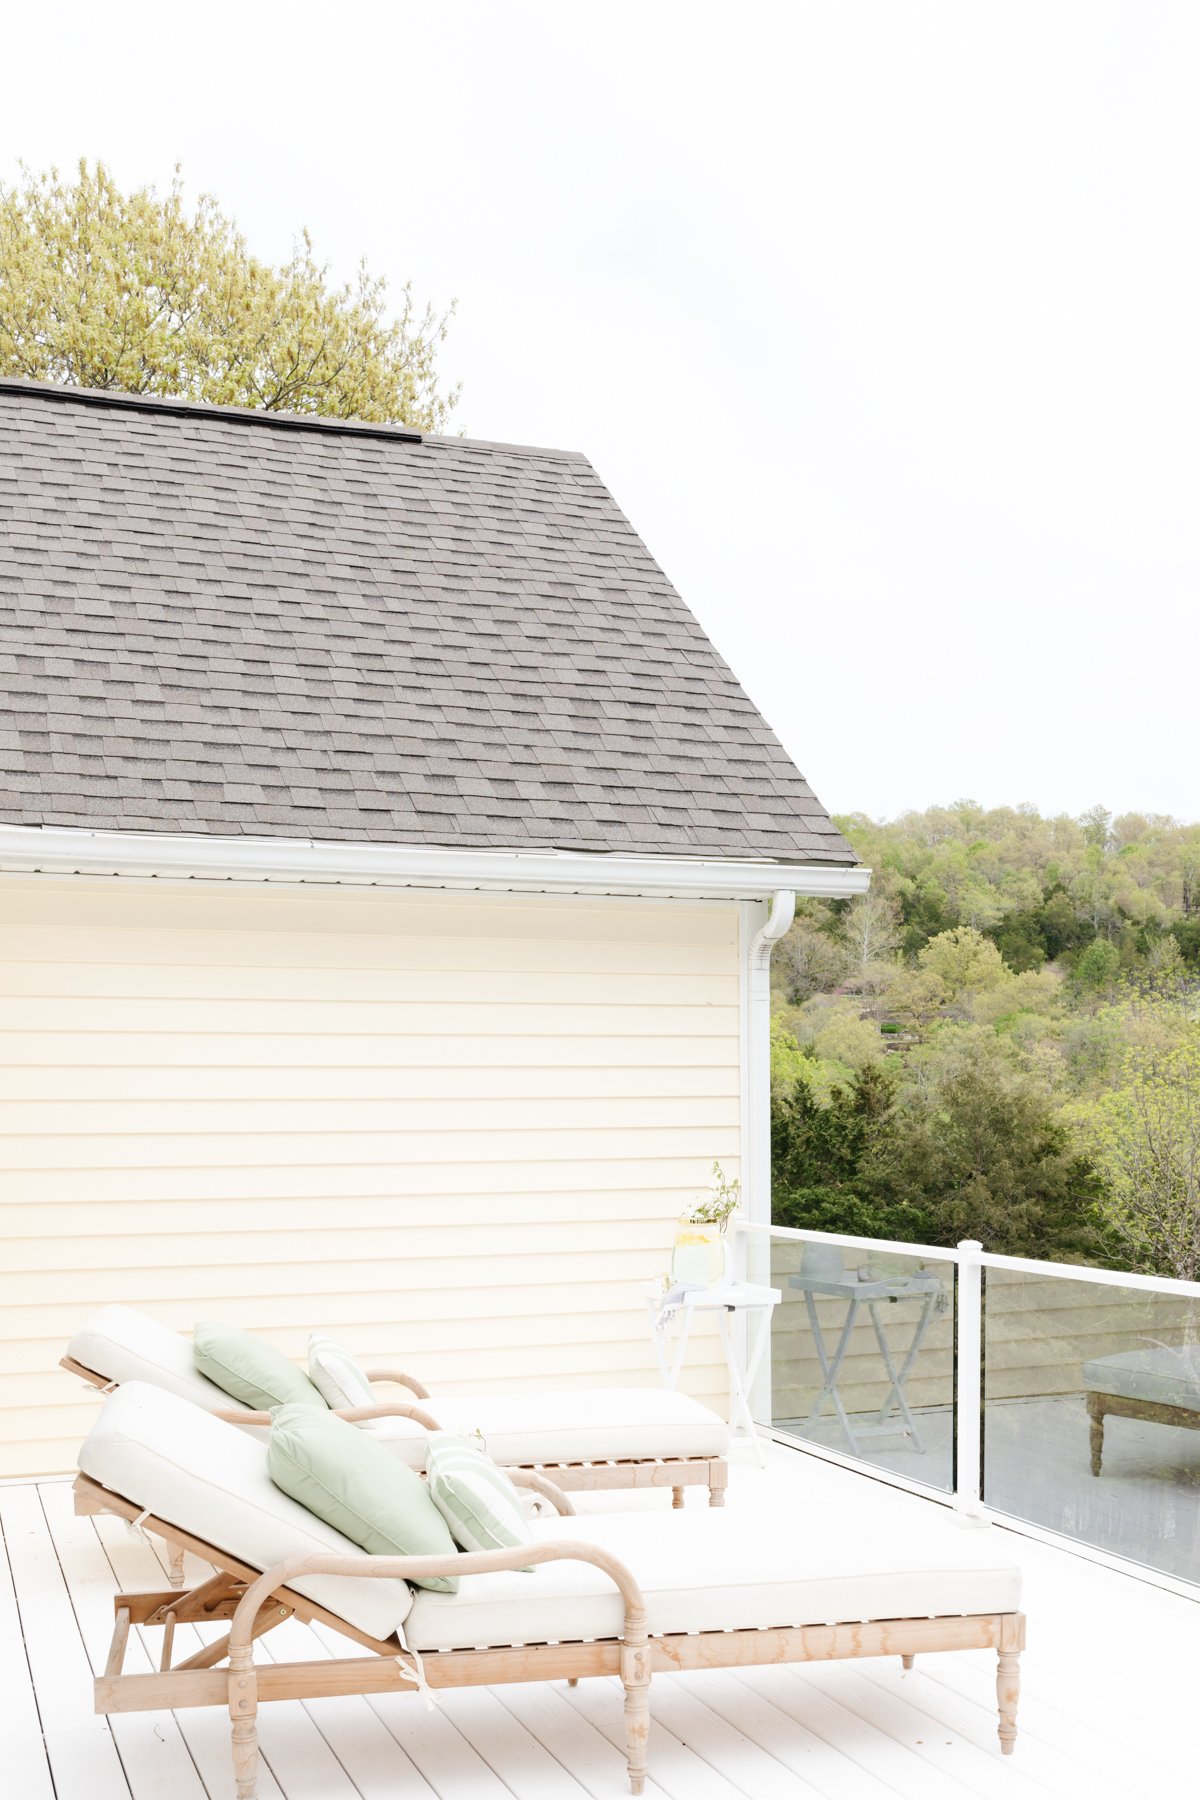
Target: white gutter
55, 850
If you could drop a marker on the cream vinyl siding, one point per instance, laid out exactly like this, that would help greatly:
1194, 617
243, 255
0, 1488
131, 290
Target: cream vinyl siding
453, 1130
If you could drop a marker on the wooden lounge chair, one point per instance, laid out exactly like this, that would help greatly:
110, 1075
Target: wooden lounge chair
1160, 1385
588, 1438
628, 1594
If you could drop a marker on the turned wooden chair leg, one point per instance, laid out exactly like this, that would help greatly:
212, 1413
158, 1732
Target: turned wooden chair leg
1008, 1692
676, 1497
1096, 1432
243, 1710
572, 1681
718, 1476
175, 1566
906, 1662
635, 1674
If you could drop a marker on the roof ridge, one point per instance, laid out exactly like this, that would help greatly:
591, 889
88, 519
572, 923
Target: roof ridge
119, 400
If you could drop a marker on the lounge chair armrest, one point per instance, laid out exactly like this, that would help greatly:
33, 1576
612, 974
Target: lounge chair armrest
398, 1376
387, 1409
424, 1568
540, 1484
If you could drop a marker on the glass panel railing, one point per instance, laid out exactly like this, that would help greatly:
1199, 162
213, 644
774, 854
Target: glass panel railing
862, 1355
1091, 1420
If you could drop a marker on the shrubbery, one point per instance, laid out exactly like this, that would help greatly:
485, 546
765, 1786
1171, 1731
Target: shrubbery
999, 1040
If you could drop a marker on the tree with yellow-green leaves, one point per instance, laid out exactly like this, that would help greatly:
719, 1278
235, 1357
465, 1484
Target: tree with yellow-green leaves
101, 288
1025, 1071
1143, 1138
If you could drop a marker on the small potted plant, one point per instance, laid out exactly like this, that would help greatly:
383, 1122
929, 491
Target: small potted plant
700, 1257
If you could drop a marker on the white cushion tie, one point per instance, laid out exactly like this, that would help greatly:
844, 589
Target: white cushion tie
412, 1667
135, 1526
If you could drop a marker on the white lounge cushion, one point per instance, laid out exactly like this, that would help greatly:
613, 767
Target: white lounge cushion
725, 1570
568, 1425
210, 1478
408, 1440
1162, 1376
577, 1425
125, 1345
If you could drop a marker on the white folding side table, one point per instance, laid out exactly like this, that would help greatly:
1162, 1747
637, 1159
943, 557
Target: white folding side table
923, 1286
726, 1299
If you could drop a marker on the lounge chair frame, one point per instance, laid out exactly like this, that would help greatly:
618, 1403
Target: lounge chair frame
1155, 1412
675, 1472
255, 1603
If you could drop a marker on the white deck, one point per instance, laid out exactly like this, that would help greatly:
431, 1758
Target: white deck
1107, 1709
1145, 1506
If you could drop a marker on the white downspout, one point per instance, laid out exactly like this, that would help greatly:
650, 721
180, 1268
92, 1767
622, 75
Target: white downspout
779, 919
759, 938
756, 1153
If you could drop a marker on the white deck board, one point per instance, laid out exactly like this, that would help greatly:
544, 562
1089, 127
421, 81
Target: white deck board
972, 1717
347, 1749
25, 1765
751, 1767
436, 1754
852, 1738
513, 1753
745, 1703
1106, 1707
154, 1755
24, 1751
80, 1749
679, 1770
970, 1769
587, 1754
292, 1744
448, 1761
204, 1730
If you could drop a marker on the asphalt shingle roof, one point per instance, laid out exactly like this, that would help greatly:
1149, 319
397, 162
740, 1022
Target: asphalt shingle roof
212, 622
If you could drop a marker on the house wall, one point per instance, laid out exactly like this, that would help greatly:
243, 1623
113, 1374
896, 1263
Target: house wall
452, 1130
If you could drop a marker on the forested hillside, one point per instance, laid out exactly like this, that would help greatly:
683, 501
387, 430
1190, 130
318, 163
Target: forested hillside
1001, 1040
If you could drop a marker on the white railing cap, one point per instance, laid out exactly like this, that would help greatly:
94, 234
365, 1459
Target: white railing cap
1025, 1265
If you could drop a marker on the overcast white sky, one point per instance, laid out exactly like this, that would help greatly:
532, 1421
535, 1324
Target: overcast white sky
880, 320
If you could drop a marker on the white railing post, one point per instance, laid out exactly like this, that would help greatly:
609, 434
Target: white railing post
968, 1383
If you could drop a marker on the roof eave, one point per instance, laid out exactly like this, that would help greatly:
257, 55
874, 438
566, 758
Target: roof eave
60, 850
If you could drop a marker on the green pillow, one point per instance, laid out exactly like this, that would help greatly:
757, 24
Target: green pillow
360, 1487
477, 1500
253, 1372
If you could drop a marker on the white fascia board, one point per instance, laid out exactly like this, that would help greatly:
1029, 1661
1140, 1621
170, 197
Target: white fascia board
27, 850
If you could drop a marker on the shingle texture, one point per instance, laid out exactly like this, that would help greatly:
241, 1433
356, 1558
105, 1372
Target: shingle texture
209, 624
